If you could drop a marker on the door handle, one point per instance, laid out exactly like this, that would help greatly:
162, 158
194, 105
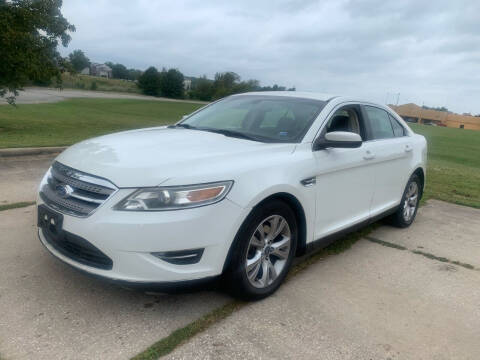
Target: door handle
309, 181
369, 155
408, 148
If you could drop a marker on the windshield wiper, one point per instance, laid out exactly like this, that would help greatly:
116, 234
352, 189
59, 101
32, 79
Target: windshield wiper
226, 132
232, 133
182, 125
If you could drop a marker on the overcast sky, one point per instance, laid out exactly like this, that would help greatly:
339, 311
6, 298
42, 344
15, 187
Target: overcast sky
428, 51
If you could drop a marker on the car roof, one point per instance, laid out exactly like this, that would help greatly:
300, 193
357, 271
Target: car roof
337, 99
297, 94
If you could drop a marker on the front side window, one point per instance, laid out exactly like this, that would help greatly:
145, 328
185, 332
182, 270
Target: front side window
379, 121
345, 119
262, 118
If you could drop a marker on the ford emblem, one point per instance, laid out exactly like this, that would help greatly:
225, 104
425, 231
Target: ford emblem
64, 191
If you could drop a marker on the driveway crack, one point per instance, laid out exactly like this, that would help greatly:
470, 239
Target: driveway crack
422, 253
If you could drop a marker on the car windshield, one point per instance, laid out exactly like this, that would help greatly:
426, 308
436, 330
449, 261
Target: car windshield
257, 117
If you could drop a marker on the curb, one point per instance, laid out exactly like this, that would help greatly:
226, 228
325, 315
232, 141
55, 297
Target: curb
12, 152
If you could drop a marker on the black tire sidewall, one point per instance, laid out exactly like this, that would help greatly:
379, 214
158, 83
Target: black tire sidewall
238, 282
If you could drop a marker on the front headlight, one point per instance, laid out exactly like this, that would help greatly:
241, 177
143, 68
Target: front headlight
175, 197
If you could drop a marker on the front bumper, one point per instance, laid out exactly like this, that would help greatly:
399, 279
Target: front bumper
129, 238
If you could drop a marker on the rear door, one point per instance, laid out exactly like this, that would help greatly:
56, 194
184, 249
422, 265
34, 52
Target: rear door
344, 181
392, 151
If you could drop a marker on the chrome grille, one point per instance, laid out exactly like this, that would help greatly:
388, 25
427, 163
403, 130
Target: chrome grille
73, 192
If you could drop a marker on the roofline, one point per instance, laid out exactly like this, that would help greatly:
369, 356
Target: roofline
297, 94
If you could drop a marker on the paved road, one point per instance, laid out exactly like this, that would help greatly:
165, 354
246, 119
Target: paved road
48, 95
372, 301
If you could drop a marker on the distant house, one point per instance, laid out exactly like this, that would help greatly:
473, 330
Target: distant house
101, 70
187, 84
97, 70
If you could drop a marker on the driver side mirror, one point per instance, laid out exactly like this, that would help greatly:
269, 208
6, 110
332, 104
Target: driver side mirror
338, 139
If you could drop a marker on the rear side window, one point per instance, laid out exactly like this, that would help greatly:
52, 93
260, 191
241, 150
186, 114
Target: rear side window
379, 121
398, 130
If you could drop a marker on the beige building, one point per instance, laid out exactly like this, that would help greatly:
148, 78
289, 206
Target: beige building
417, 114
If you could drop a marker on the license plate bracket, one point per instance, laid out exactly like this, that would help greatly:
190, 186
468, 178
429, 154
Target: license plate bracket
50, 221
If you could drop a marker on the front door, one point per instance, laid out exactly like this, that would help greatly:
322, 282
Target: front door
344, 180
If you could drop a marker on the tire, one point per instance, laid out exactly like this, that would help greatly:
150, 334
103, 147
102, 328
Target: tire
407, 211
259, 260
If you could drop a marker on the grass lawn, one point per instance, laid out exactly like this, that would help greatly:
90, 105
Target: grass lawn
70, 121
453, 172
453, 154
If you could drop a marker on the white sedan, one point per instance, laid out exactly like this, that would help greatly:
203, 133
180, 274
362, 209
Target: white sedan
235, 189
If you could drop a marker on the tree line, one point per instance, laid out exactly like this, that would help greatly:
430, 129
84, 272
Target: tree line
171, 82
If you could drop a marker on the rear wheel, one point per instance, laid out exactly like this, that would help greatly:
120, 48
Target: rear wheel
407, 210
263, 251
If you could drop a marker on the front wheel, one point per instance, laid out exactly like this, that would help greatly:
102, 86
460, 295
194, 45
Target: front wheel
407, 210
263, 251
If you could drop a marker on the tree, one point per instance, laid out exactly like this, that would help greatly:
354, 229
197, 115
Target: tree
226, 84
172, 83
119, 71
134, 74
149, 82
65, 65
229, 83
29, 36
223, 84
78, 60
202, 89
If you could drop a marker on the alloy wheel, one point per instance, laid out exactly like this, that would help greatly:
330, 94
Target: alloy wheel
410, 201
268, 251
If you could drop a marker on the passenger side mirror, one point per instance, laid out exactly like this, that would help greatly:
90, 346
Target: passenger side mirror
338, 139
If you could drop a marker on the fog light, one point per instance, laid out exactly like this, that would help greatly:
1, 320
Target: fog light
182, 257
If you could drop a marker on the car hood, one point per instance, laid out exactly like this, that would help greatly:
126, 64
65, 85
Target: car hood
150, 157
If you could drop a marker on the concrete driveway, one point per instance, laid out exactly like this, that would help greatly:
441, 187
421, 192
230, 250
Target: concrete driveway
51, 311
20, 176
398, 294
374, 301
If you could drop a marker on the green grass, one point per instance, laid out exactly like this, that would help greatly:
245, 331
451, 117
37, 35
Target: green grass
15, 205
180, 336
70, 121
385, 243
453, 172
84, 82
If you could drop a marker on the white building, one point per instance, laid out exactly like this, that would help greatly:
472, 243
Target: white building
95, 69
